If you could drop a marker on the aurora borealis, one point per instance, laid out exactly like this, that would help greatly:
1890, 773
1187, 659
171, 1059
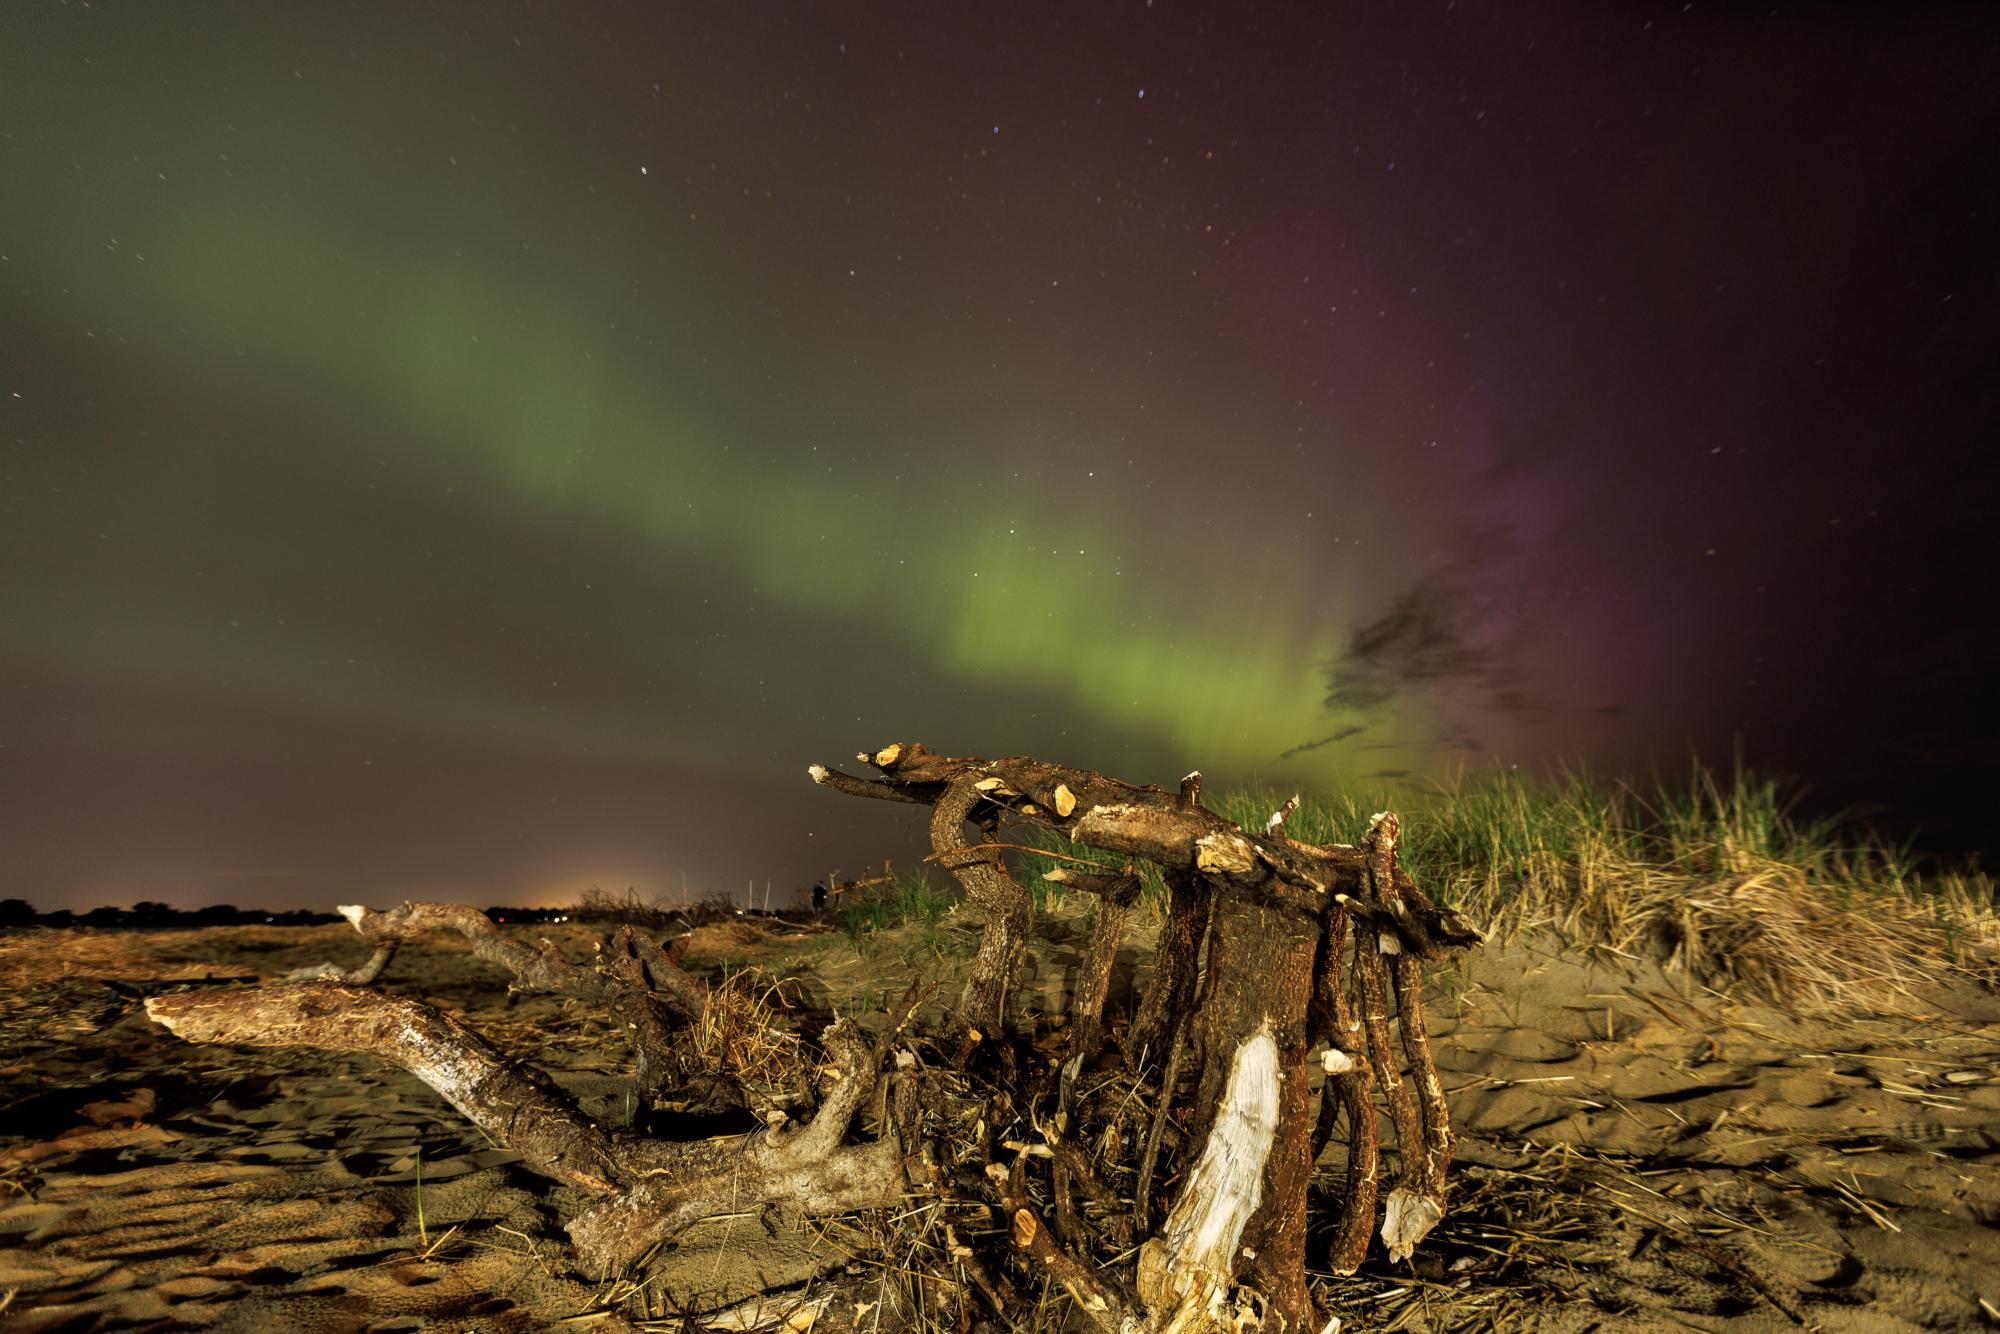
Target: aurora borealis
486, 450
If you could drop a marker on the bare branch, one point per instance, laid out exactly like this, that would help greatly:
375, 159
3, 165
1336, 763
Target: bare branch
518, 1106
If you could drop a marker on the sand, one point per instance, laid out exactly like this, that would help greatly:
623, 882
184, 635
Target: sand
1638, 1154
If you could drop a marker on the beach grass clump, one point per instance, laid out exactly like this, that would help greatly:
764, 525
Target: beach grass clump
1714, 876
909, 897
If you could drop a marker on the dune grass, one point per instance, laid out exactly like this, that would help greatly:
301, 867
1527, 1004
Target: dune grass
912, 897
1712, 875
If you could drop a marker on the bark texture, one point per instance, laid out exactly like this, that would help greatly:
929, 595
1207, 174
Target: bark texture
990, 988
1176, 967
1151, 823
1116, 894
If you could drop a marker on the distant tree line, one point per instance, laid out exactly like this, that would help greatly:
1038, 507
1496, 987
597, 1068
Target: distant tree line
149, 915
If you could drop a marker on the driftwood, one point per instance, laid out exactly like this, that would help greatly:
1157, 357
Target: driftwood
1255, 951
648, 1189
1029, 1162
835, 887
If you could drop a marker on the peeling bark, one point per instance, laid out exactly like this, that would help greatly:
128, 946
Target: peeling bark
1261, 969
1186, 1273
1275, 917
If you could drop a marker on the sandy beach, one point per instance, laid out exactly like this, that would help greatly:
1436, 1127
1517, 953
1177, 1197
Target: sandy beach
1638, 1153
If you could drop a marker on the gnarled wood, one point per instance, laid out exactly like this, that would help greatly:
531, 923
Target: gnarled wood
1186, 1273
1176, 964
1116, 894
809, 1168
1347, 1093
636, 980
1260, 969
990, 985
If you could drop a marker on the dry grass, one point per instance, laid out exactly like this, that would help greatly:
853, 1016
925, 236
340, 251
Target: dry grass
42, 956
1714, 878
743, 1032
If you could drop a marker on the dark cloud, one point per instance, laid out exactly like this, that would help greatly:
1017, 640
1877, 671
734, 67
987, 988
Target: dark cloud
1437, 636
1339, 734
1455, 639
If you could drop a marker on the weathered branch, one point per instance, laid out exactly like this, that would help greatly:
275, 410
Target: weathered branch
1259, 980
863, 787
542, 969
1254, 975
636, 981
1424, 1141
518, 1106
652, 1189
657, 971
1149, 1157
362, 976
1160, 826
809, 1168
1106, 1309
1348, 1091
989, 986
1274, 916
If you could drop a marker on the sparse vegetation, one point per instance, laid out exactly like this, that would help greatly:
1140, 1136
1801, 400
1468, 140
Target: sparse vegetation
911, 897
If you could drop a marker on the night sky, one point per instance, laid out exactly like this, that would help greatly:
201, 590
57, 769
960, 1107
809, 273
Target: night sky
489, 450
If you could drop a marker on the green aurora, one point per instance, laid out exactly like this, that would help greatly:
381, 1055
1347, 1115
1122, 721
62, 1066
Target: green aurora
426, 422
